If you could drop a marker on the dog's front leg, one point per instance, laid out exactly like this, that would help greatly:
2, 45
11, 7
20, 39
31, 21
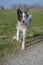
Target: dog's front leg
23, 43
17, 34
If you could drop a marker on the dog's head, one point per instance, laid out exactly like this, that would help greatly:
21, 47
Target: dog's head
22, 16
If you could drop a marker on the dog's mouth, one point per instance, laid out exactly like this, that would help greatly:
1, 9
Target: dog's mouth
22, 23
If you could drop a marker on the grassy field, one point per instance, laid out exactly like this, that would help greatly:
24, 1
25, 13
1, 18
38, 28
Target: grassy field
8, 20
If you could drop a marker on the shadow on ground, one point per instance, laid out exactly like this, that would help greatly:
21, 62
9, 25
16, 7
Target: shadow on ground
36, 38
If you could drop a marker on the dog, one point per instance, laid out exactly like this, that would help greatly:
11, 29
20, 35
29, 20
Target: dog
23, 23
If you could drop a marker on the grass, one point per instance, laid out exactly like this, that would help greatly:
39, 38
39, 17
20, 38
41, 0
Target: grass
8, 20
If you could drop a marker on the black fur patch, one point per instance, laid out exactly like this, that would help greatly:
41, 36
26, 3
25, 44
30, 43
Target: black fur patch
19, 14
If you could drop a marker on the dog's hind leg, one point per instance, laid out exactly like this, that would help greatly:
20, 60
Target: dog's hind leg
14, 37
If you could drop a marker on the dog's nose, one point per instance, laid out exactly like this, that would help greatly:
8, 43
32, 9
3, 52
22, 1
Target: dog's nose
23, 21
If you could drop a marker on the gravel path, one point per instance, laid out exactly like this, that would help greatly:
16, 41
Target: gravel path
33, 55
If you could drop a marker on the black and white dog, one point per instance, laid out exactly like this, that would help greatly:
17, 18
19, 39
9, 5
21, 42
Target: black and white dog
23, 23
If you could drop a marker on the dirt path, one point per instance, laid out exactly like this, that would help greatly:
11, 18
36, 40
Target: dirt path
33, 55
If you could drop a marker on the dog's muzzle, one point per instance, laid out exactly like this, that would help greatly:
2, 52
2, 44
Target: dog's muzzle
22, 23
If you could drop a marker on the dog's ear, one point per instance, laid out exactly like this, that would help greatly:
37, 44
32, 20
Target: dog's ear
26, 12
19, 13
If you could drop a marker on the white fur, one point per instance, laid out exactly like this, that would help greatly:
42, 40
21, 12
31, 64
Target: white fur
24, 17
23, 29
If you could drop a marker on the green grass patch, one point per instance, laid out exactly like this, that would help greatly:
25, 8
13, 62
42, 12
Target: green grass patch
8, 21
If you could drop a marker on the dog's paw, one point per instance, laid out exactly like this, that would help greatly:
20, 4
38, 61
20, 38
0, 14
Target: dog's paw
14, 37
